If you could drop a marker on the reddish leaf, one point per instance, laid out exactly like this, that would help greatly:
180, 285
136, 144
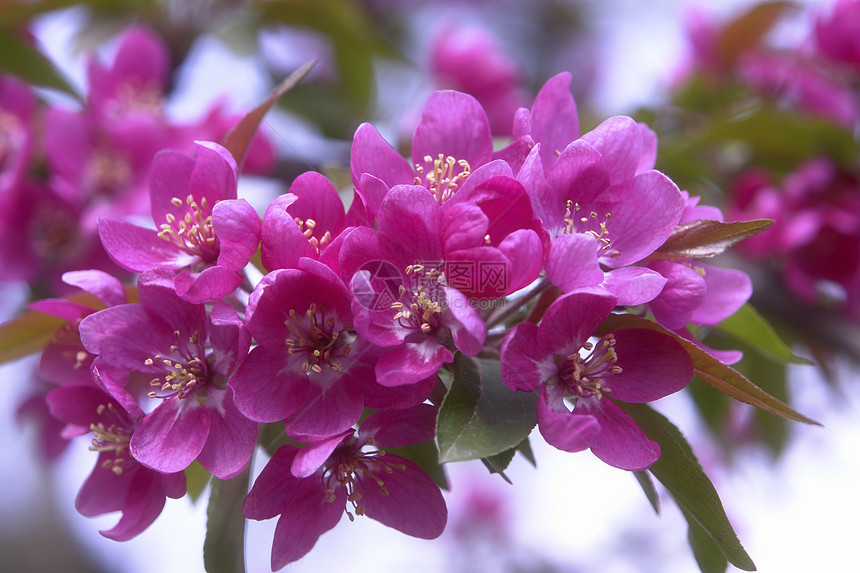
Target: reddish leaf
747, 31
706, 238
722, 377
239, 138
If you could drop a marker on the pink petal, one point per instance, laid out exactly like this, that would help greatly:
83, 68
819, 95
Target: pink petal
619, 140
412, 502
411, 362
554, 117
106, 287
170, 437
213, 283
620, 442
396, 428
283, 243
634, 285
653, 365
237, 226
263, 390
571, 262
523, 365
232, 437
571, 320
311, 457
452, 124
332, 404
308, 516
274, 488
562, 428
137, 248
373, 155
727, 291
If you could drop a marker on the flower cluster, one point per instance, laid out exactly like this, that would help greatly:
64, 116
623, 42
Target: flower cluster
344, 330
62, 168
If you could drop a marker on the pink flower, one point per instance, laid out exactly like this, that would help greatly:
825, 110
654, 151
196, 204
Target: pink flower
206, 235
308, 367
309, 487
838, 33
631, 365
303, 223
400, 299
469, 59
118, 482
189, 356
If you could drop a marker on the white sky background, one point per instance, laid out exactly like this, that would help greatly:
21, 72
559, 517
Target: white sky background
574, 511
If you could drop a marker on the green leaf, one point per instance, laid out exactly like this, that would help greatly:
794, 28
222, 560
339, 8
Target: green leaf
721, 376
706, 238
19, 58
32, 330
706, 552
239, 137
196, 479
224, 547
682, 476
27, 334
748, 326
480, 417
21, 13
647, 485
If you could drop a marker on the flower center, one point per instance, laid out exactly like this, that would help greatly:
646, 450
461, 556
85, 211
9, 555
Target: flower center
585, 377
193, 232
112, 437
445, 177
107, 172
422, 311
346, 464
308, 227
182, 372
590, 224
318, 338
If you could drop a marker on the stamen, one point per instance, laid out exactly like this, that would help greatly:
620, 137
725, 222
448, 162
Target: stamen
442, 181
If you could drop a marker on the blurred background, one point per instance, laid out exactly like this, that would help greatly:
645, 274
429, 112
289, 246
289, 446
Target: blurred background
789, 489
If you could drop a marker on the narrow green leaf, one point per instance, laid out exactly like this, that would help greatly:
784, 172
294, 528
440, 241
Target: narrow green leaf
498, 463
196, 479
19, 58
26, 334
31, 331
721, 376
239, 137
705, 550
224, 546
525, 448
706, 238
682, 476
480, 416
752, 328
647, 485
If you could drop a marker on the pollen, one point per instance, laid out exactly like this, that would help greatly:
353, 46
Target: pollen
192, 231
318, 337
592, 224
445, 178
586, 377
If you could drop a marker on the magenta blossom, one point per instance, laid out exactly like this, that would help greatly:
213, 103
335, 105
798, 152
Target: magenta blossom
632, 365
190, 356
452, 149
308, 368
401, 300
303, 223
206, 235
469, 59
310, 487
838, 33
118, 482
